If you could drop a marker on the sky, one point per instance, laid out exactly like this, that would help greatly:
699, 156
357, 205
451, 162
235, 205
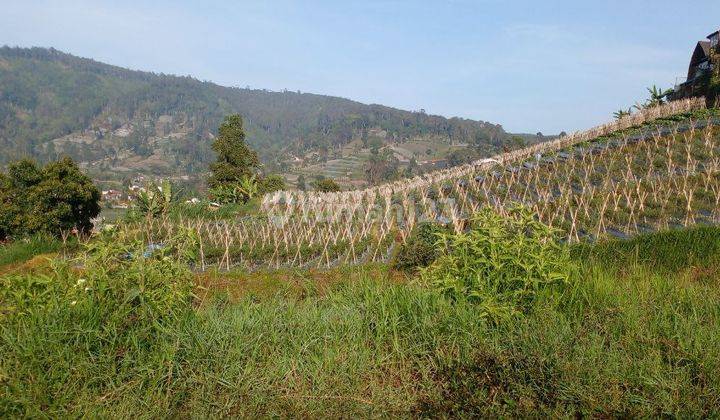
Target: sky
531, 66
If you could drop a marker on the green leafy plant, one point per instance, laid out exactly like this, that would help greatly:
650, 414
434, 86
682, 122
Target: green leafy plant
271, 183
236, 192
117, 279
622, 113
500, 263
155, 200
326, 185
657, 96
419, 250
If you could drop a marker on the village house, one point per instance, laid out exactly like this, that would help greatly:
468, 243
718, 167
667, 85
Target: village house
112, 195
700, 69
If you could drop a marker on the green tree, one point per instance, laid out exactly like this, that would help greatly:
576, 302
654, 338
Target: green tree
461, 156
235, 160
381, 166
51, 199
518, 142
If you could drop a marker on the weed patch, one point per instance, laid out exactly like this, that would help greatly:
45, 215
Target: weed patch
500, 264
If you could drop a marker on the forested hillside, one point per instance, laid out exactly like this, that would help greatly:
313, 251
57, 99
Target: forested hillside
118, 121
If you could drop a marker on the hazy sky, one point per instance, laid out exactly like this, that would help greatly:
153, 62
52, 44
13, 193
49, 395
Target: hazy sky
528, 65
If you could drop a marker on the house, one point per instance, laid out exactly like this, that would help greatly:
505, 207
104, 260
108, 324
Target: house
701, 66
111, 195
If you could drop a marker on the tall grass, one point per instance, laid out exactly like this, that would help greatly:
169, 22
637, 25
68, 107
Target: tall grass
636, 341
644, 345
24, 249
667, 251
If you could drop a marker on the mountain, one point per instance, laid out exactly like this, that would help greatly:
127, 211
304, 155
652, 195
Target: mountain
119, 122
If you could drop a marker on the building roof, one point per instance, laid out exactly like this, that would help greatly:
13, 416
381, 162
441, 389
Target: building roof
705, 45
701, 54
712, 34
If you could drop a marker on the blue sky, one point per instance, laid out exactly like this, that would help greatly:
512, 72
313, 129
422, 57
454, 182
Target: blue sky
528, 65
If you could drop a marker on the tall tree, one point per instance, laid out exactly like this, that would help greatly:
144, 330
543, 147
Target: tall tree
235, 160
381, 166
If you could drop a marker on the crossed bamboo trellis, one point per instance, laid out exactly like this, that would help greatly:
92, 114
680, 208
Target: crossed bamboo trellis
637, 119
618, 187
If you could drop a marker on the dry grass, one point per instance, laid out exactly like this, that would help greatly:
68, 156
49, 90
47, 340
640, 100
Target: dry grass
38, 264
296, 284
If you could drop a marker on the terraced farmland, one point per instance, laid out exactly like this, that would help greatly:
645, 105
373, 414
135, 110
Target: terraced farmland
655, 170
349, 166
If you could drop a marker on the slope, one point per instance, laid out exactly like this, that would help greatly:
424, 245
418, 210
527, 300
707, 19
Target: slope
119, 121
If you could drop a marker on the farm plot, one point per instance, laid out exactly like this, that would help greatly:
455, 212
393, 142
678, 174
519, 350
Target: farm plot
589, 185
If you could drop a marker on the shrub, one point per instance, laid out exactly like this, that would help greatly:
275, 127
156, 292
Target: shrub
120, 282
420, 249
47, 199
270, 184
501, 263
326, 185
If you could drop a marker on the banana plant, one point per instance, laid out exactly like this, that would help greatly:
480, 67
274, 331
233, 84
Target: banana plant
657, 96
248, 186
155, 199
620, 114
236, 192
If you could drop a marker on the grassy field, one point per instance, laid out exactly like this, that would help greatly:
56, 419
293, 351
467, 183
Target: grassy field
636, 333
21, 251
